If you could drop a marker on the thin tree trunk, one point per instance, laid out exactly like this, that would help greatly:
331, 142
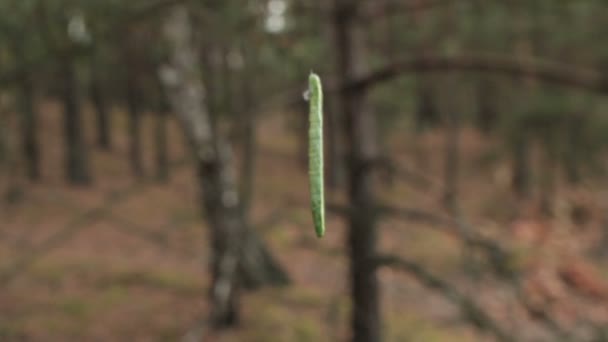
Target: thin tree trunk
427, 115
161, 149
548, 184
161, 152
521, 166
334, 147
4, 140
29, 128
102, 115
452, 160
134, 105
487, 113
333, 152
9, 159
575, 153
301, 126
360, 137
248, 129
76, 158
28, 118
230, 236
134, 125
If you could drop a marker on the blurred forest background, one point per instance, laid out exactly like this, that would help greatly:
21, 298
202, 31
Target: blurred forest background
153, 170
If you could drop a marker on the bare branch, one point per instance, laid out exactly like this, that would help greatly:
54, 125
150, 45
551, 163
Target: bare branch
552, 72
471, 311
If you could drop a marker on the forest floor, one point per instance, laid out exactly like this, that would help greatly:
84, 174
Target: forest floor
125, 260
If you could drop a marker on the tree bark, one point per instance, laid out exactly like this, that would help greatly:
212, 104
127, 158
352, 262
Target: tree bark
231, 238
248, 131
28, 118
452, 160
76, 158
427, 115
521, 166
161, 149
161, 153
102, 115
134, 98
487, 112
360, 137
4, 139
29, 128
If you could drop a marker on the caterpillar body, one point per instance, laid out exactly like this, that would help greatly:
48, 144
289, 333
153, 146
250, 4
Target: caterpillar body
315, 153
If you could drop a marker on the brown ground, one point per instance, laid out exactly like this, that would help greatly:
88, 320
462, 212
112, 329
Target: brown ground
136, 271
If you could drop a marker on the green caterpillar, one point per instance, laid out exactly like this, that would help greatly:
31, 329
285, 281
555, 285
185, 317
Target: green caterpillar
315, 153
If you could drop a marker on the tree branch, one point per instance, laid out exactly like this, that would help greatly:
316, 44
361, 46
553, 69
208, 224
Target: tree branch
471, 311
548, 71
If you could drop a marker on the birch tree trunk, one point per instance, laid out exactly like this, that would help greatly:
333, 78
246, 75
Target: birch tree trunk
238, 256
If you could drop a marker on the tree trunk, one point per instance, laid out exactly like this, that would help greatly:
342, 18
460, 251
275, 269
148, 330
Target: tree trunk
333, 137
161, 149
487, 113
161, 153
521, 182
360, 137
4, 139
28, 118
29, 128
76, 158
8, 158
248, 131
220, 200
134, 98
427, 115
575, 137
102, 114
333, 152
452, 159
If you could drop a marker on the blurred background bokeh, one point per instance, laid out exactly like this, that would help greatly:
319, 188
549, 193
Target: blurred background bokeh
154, 170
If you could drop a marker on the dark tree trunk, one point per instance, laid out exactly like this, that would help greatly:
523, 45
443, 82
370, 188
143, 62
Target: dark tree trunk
333, 137
301, 127
333, 151
161, 149
548, 185
8, 159
102, 115
28, 118
521, 182
234, 246
487, 113
134, 103
134, 124
29, 128
76, 158
427, 115
4, 140
248, 128
161, 153
452, 160
360, 138
575, 135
